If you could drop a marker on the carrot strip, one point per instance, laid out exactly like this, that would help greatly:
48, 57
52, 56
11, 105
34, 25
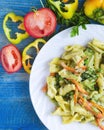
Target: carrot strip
88, 106
52, 74
75, 96
99, 124
68, 68
83, 67
82, 59
78, 86
78, 64
45, 88
98, 107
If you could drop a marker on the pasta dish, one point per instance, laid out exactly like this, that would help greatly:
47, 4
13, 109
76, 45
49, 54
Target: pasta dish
76, 83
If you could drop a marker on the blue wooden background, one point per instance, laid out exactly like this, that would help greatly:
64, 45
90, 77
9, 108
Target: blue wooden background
16, 110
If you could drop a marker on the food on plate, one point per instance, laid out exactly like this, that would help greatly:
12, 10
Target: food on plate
94, 9
76, 83
10, 58
40, 23
14, 36
30, 52
66, 8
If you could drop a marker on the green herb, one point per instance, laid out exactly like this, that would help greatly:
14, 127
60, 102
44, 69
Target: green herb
79, 19
58, 79
68, 95
75, 31
90, 73
89, 78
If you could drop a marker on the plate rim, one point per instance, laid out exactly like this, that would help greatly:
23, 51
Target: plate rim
87, 25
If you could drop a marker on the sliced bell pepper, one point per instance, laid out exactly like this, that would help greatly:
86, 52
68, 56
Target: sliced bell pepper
94, 9
65, 8
17, 36
28, 54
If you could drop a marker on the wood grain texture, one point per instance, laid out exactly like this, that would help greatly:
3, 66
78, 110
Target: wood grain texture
16, 110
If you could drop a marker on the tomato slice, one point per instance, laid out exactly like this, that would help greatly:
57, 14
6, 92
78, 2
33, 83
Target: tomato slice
11, 58
40, 23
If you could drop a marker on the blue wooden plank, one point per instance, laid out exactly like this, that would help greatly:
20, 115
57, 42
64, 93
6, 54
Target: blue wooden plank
16, 110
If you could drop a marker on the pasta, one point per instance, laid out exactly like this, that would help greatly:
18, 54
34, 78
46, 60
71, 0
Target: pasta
76, 83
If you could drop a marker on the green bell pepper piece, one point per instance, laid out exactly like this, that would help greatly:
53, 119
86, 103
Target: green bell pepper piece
19, 36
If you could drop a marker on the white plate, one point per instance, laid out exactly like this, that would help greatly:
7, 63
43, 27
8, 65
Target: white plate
40, 70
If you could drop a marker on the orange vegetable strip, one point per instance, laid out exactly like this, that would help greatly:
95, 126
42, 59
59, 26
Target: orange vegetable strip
82, 59
45, 88
99, 124
78, 86
68, 68
98, 107
75, 96
83, 67
52, 74
78, 64
88, 106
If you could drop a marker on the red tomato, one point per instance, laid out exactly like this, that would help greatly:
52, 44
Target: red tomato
40, 23
11, 58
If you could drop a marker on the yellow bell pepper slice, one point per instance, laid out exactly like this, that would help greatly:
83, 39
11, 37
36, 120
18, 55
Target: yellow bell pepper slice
26, 58
66, 8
